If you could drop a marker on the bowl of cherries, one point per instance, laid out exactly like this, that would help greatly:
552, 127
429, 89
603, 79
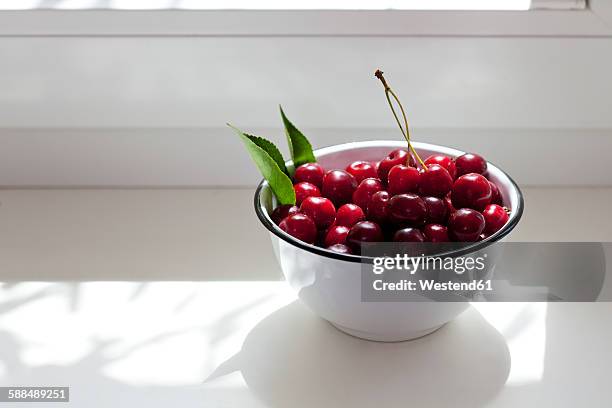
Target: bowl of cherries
345, 196
391, 200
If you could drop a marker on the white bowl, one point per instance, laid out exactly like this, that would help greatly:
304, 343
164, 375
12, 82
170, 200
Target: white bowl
329, 283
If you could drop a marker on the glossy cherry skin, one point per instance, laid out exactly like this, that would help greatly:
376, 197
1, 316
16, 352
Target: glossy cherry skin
349, 215
338, 186
311, 173
436, 233
397, 156
408, 235
435, 181
336, 234
340, 248
407, 208
320, 209
364, 231
283, 211
495, 194
378, 207
365, 191
443, 161
437, 210
403, 179
303, 190
301, 227
495, 218
361, 170
470, 163
471, 191
466, 225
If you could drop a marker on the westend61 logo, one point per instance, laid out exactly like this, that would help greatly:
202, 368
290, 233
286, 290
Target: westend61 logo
412, 264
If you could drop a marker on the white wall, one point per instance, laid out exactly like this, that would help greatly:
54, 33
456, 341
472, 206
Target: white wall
151, 110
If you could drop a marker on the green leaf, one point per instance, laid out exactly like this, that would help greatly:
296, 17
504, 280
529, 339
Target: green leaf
299, 146
271, 149
267, 158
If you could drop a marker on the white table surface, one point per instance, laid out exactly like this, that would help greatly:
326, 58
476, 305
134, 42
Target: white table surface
155, 298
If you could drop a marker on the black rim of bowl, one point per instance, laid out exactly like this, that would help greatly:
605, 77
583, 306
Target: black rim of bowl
468, 248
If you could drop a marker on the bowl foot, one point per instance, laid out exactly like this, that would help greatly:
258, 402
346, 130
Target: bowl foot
387, 338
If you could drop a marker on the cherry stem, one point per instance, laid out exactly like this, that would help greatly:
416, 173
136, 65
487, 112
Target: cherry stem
405, 128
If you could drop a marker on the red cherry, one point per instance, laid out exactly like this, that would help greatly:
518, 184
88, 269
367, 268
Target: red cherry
466, 225
336, 235
496, 197
471, 191
397, 156
340, 248
301, 227
437, 210
443, 161
283, 211
349, 215
470, 163
378, 207
403, 179
408, 208
435, 181
320, 209
435, 233
408, 235
495, 218
361, 170
338, 186
311, 173
365, 190
364, 231
305, 189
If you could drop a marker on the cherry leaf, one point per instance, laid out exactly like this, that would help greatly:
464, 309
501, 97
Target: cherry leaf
299, 146
269, 161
